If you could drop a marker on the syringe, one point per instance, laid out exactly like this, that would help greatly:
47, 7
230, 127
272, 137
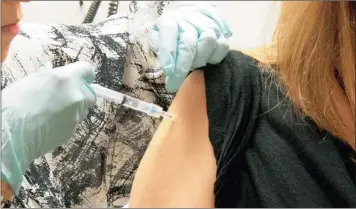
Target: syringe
130, 102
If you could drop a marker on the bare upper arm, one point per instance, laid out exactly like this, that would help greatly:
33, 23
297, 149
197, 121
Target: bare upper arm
178, 168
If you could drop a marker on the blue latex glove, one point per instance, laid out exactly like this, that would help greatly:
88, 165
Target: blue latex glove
188, 35
39, 113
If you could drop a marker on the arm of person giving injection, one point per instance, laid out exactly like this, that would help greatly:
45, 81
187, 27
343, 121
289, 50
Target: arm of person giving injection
41, 111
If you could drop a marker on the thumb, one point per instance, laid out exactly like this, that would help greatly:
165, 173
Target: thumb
83, 70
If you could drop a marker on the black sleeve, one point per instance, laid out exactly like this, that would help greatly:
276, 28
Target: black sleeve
266, 156
233, 98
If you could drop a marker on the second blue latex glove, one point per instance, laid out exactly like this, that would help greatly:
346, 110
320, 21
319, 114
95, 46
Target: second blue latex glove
188, 35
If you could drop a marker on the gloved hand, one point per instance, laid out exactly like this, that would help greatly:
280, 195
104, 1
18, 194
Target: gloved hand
188, 35
39, 113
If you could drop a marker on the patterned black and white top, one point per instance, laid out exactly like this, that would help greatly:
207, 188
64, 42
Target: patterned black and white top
96, 167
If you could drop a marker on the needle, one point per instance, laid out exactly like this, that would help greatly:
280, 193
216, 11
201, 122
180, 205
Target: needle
80, 50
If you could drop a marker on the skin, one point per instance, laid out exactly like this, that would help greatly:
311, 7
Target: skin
10, 14
179, 166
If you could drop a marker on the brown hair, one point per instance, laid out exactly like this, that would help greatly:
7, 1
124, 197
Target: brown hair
314, 53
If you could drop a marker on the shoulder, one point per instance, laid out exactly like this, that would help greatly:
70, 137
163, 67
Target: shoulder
235, 63
232, 97
236, 77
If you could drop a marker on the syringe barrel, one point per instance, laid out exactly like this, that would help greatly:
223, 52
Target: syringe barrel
109, 94
127, 101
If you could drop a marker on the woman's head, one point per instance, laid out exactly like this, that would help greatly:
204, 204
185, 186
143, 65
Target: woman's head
10, 16
315, 57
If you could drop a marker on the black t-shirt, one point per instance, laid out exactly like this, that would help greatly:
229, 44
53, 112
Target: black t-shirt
267, 155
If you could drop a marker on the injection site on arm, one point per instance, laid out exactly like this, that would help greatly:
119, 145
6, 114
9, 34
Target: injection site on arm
130, 102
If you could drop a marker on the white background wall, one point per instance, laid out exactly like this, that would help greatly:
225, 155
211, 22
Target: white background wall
247, 19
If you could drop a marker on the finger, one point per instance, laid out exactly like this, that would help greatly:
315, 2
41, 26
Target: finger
213, 13
205, 47
226, 29
186, 52
206, 10
200, 21
83, 70
167, 47
220, 52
